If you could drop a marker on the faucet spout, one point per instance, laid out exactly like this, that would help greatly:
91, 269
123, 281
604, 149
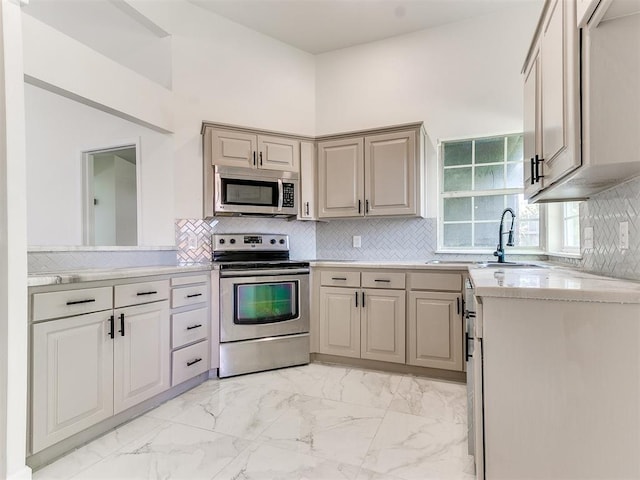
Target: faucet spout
500, 247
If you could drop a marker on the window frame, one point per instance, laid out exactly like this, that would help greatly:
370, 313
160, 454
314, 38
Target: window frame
442, 195
556, 233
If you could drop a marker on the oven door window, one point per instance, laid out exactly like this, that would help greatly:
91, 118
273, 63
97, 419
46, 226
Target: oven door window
260, 303
249, 192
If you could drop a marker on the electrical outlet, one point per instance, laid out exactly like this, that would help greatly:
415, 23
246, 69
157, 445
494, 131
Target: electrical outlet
192, 240
357, 241
587, 240
624, 236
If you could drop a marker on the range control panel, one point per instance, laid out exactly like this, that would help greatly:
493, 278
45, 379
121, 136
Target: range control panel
235, 242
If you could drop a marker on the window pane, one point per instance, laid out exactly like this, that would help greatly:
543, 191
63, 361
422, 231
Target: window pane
571, 209
486, 235
457, 153
456, 179
490, 150
457, 235
572, 233
489, 207
527, 233
457, 209
514, 148
514, 175
489, 178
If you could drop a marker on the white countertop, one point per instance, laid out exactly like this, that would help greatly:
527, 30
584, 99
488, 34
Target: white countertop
95, 274
406, 264
556, 283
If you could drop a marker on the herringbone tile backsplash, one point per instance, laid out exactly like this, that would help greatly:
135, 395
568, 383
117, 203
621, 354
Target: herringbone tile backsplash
604, 212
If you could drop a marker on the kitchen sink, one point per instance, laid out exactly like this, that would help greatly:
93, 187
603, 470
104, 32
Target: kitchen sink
508, 265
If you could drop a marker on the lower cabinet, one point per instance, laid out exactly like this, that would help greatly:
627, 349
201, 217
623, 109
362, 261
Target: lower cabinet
435, 330
363, 323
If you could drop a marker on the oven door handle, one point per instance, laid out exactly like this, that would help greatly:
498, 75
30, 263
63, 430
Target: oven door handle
280, 194
264, 273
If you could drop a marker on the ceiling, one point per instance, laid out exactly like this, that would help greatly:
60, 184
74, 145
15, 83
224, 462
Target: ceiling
318, 26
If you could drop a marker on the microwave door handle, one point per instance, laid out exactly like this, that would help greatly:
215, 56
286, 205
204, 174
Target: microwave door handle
280, 194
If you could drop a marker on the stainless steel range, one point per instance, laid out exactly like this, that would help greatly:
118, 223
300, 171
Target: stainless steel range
264, 303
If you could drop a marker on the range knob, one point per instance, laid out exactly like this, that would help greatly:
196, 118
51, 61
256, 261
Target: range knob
232, 241
273, 240
282, 241
222, 241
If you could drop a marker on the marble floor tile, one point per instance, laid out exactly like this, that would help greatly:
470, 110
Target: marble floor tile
87, 455
237, 410
171, 452
265, 462
437, 399
362, 387
325, 428
421, 448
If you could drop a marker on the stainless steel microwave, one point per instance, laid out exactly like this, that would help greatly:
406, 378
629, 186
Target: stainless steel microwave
248, 191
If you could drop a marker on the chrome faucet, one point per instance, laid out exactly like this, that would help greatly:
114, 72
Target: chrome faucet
500, 248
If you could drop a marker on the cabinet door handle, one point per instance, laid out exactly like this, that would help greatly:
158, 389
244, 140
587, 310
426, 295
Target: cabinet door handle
121, 331
191, 295
254, 158
362, 299
152, 292
78, 302
382, 280
359, 206
338, 278
533, 172
458, 305
260, 158
538, 162
307, 208
111, 326
193, 362
194, 326
366, 206
356, 299
466, 347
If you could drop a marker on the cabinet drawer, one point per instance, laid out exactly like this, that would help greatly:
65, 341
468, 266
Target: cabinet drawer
178, 281
339, 279
189, 327
71, 302
383, 280
189, 362
435, 281
141, 292
183, 296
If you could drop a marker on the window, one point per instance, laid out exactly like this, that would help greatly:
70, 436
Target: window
564, 228
479, 179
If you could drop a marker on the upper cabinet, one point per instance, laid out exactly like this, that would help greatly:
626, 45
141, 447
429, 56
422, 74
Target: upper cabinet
375, 174
246, 149
552, 99
581, 99
307, 181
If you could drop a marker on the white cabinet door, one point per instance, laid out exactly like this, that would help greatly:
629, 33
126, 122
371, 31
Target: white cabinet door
278, 153
235, 149
558, 64
307, 182
72, 376
339, 322
141, 354
531, 137
390, 174
435, 330
383, 325
341, 178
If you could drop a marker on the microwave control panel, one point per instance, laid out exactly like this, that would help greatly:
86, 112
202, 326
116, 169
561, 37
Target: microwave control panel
288, 192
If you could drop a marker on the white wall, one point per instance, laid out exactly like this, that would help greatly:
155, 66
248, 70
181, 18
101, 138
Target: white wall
462, 79
227, 73
58, 130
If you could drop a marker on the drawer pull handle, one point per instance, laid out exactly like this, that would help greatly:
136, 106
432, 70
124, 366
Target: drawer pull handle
382, 280
78, 302
194, 326
152, 292
338, 278
194, 295
193, 362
